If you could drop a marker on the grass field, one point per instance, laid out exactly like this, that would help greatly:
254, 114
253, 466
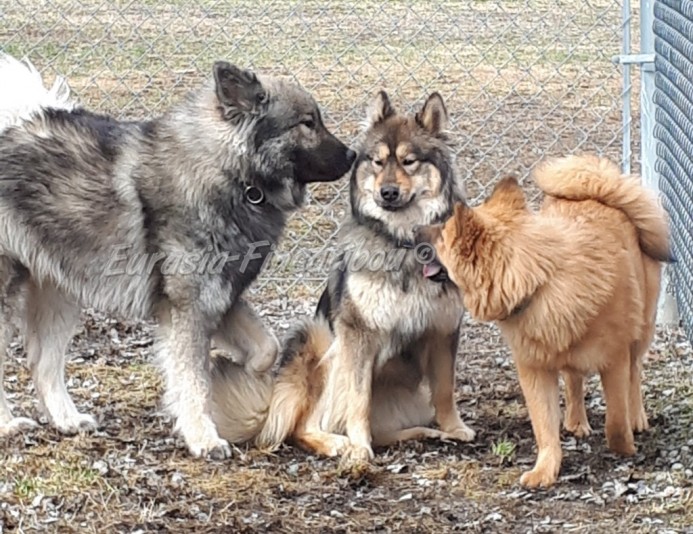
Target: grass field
522, 79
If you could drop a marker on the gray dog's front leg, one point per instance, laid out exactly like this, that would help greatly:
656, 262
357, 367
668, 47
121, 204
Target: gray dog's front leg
184, 359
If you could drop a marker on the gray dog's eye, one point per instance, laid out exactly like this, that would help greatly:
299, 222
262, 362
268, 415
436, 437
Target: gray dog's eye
308, 122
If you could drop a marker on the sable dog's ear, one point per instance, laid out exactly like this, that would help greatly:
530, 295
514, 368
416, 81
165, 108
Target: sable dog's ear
379, 109
433, 116
238, 90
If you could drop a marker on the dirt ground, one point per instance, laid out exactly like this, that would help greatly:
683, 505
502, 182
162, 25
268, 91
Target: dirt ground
522, 79
133, 476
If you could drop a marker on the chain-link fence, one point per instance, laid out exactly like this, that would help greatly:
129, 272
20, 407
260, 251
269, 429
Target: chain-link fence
522, 78
673, 28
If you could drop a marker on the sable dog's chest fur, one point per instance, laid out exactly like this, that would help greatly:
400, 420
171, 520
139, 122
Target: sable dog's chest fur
411, 307
400, 308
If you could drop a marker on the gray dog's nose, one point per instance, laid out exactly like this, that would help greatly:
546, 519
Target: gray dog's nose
350, 156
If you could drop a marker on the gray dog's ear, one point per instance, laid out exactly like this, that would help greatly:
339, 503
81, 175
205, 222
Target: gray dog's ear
433, 116
238, 90
379, 109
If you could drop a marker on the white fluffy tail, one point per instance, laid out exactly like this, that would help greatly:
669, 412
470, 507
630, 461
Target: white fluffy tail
248, 406
240, 400
22, 93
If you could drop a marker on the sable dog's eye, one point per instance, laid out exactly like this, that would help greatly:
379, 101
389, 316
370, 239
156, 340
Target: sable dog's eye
377, 163
409, 160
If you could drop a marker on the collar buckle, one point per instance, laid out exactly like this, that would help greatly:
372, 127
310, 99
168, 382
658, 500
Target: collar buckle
254, 195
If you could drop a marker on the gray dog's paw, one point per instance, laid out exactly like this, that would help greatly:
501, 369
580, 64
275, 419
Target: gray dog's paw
76, 423
220, 452
17, 425
213, 449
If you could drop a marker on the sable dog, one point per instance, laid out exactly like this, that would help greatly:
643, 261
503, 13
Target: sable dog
170, 218
573, 289
378, 360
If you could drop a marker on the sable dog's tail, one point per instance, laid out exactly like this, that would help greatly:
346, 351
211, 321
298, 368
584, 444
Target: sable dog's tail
299, 383
595, 178
22, 93
259, 407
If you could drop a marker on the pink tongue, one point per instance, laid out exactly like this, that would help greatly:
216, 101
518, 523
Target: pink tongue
431, 269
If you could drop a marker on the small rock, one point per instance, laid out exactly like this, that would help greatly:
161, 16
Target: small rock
396, 468
100, 467
668, 491
619, 488
495, 516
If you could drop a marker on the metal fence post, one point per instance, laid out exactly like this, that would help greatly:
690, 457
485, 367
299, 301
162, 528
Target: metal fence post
667, 312
627, 88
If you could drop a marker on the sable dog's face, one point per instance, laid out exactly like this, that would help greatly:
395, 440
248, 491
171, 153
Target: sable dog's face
286, 137
404, 173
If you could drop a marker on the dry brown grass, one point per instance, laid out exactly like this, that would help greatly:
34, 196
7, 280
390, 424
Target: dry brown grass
133, 475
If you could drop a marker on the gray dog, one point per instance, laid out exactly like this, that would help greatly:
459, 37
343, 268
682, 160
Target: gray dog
170, 218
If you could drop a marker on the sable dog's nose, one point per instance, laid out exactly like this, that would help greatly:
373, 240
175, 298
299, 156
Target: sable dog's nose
389, 193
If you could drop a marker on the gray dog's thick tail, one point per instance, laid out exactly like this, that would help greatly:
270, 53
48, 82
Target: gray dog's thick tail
240, 400
22, 93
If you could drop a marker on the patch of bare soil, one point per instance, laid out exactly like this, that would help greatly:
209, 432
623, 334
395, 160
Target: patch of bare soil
133, 476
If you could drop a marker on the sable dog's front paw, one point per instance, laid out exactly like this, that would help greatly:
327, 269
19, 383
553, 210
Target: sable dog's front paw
356, 456
463, 433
